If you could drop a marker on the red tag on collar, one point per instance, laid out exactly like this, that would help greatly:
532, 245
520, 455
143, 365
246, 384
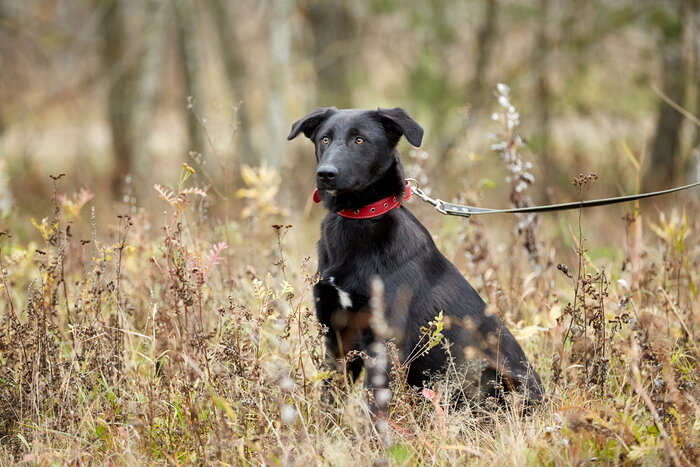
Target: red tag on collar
375, 209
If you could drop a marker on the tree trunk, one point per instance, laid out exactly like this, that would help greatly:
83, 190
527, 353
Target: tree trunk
148, 86
3, 64
479, 90
541, 66
5, 193
235, 69
666, 145
333, 28
189, 51
120, 96
280, 13
694, 169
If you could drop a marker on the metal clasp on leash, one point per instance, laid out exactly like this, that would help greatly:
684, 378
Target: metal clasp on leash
437, 203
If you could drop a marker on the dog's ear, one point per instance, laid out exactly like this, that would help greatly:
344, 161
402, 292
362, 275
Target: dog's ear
404, 124
309, 123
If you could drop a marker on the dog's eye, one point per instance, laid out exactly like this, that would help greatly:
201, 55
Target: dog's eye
325, 140
359, 140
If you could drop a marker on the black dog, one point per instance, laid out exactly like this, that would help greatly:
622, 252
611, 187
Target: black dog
368, 233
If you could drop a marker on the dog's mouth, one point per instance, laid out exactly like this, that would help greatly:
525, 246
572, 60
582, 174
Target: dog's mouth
330, 190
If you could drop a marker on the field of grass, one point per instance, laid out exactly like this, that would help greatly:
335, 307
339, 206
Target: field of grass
195, 342
186, 335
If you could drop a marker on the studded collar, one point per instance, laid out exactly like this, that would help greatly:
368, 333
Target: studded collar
375, 209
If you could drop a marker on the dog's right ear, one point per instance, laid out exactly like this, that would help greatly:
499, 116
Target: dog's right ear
403, 125
309, 123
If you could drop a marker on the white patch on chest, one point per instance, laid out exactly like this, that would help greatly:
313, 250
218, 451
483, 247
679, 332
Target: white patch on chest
343, 296
344, 299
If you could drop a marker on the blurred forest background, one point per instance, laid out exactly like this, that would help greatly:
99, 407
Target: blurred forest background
117, 94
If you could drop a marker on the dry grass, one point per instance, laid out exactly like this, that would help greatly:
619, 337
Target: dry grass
196, 343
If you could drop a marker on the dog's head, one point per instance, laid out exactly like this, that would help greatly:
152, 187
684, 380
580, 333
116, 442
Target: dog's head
355, 148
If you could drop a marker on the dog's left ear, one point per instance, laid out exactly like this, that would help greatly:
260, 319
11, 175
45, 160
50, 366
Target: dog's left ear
310, 122
405, 125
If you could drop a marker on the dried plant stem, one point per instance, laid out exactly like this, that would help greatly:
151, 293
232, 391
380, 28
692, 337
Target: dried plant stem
378, 363
678, 315
636, 382
7, 290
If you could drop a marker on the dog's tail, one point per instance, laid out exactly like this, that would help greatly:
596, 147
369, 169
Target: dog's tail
506, 362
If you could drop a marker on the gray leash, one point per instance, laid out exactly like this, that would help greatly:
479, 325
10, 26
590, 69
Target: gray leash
461, 210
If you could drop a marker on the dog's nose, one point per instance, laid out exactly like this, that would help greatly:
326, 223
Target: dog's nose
327, 172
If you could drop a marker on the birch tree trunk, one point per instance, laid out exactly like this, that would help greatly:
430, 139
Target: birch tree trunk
280, 13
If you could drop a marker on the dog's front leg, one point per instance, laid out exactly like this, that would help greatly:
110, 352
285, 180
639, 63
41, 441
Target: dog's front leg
341, 338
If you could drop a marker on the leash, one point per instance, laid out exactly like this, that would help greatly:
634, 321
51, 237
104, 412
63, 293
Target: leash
461, 210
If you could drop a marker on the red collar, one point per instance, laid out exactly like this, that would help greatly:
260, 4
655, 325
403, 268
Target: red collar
375, 209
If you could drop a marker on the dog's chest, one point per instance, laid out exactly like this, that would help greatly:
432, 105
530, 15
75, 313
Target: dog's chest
345, 279
349, 274
344, 297
351, 243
